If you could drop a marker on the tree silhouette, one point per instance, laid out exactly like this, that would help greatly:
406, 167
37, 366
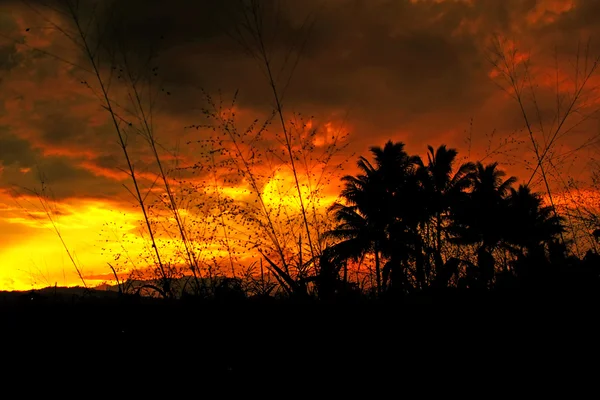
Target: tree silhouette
531, 230
479, 218
360, 221
532, 225
411, 216
374, 204
444, 189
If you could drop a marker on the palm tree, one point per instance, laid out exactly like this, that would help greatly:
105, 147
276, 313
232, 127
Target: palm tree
532, 235
444, 188
372, 201
532, 224
480, 218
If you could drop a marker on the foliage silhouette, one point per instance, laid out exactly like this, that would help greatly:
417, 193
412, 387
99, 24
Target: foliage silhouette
433, 225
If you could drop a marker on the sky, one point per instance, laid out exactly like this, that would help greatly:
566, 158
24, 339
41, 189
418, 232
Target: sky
363, 71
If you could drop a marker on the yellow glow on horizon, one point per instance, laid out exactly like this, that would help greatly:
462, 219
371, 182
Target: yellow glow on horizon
41, 260
96, 232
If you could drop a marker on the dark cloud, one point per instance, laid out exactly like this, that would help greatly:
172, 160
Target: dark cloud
402, 56
15, 151
64, 178
367, 55
8, 57
60, 128
25, 167
390, 66
357, 53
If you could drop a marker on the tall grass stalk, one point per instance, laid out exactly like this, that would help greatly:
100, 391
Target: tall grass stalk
252, 25
514, 71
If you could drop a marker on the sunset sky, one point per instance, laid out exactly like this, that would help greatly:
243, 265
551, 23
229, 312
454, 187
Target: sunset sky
416, 71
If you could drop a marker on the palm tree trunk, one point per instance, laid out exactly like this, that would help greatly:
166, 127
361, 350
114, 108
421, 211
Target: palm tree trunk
377, 271
438, 238
486, 263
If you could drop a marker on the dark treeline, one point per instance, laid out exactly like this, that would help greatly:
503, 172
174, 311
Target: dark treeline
429, 226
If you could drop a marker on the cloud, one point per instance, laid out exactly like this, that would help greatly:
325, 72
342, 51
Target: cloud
15, 151
25, 167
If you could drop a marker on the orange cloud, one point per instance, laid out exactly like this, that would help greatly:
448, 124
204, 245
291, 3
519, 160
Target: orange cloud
549, 11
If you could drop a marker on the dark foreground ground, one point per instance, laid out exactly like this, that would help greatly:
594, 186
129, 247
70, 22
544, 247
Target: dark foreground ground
435, 341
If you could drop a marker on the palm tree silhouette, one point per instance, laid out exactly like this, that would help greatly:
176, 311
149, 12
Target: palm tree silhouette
444, 188
374, 205
532, 224
532, 228
402, 211
480, 218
